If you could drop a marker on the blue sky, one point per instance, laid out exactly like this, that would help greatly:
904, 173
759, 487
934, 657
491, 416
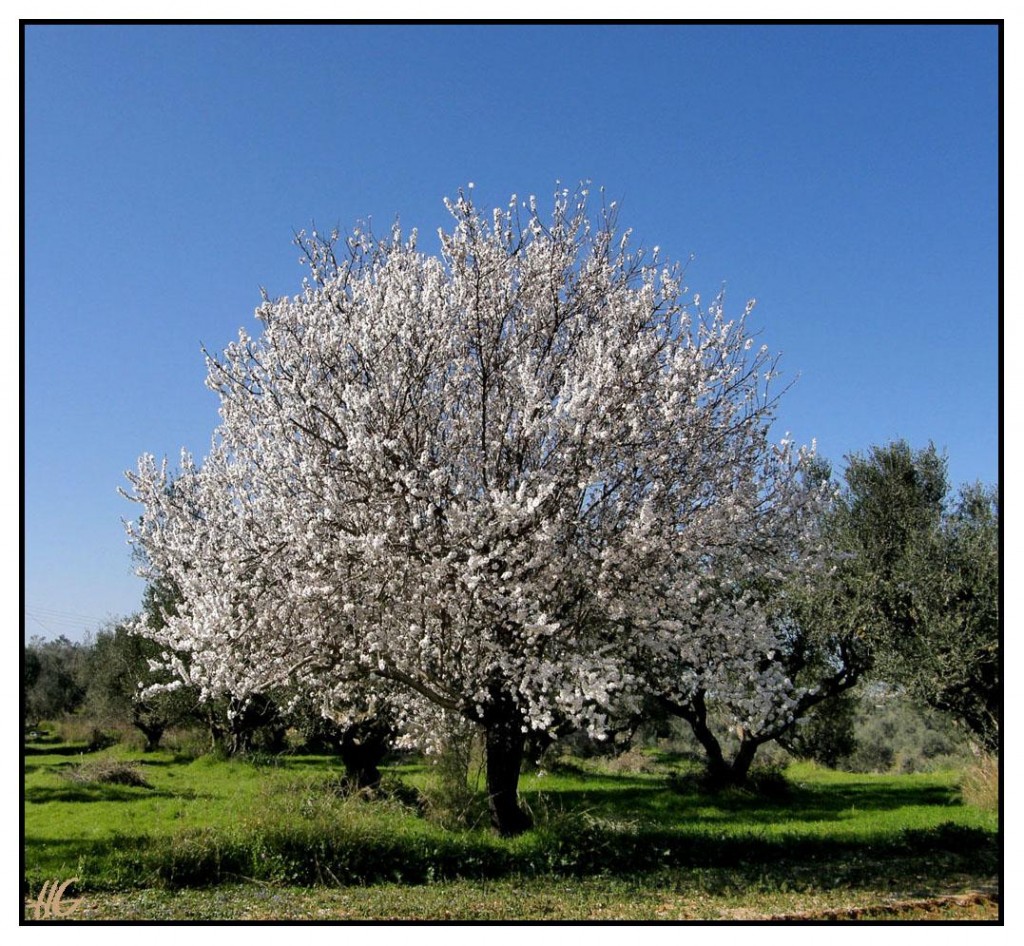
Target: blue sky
845, 176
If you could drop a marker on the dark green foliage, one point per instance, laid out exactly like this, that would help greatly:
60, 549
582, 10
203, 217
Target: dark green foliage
241, 726
874, 728
579, 846
31, 667
118, 675
54, 678
827, 734
962, 675
313, 731
919, 580
160, 601
894, 498
764, 781
818, 649
99, 740
362, 743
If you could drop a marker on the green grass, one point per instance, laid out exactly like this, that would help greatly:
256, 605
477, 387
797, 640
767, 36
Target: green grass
602, 837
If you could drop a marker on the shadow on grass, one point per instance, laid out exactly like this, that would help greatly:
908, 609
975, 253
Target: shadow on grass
110, 863
568, 843
284, 761
912, 860
176, 760
650, 801
99, 792
622, 826
70, 849
61, 750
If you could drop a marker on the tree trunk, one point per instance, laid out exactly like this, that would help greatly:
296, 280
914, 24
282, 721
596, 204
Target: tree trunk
743, 759
363, 747
150, 726
504, 746
215, 728
718, 768
720, 772
153, 736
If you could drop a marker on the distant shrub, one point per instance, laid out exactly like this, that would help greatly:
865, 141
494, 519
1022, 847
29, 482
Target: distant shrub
84, 730
827, 734
765, 780
893, 734
634, 761
189, 741
101, 739
769, 781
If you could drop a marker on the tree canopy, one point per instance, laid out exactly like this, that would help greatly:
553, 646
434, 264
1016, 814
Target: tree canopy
487, 478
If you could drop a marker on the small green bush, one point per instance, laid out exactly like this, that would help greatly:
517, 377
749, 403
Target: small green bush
769, 781
452, 798
84, 731
189, 741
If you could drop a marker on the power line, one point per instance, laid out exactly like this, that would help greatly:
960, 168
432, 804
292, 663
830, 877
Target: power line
54, 621
58, 614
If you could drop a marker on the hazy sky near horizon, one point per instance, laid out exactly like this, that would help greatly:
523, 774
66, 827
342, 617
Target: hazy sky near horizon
845, 176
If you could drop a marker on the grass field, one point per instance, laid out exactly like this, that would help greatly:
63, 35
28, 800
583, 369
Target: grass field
269, 838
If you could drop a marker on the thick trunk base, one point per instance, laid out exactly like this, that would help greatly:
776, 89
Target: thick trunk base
152, 733
505, 741
721, 774
363, 748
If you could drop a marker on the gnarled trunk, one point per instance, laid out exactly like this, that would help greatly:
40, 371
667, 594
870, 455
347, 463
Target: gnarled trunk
721, 773
150, 725
504, 741
153, 734
743, 758
363, 747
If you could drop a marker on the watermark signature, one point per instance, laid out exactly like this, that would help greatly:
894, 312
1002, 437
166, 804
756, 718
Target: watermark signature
50, 904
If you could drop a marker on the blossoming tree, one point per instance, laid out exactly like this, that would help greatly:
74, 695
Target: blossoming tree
760, 643
482, 477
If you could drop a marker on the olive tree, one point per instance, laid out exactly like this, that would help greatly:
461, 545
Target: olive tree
921, 578
118, 676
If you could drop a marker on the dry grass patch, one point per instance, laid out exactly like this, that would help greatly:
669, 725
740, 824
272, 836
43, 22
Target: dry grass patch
980, 783
107, 772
